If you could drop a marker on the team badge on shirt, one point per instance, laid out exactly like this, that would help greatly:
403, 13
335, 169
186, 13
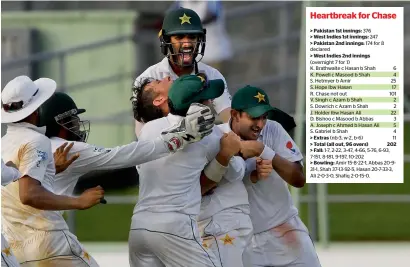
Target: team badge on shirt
289, 146
41, 156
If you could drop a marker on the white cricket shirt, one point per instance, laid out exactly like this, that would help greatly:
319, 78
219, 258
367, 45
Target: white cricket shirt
163, 69
170, 192
8, 174
270, 200
231, 191
30, 150
94, 158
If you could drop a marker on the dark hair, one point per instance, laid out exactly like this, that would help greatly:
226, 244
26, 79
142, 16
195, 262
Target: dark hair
142, 106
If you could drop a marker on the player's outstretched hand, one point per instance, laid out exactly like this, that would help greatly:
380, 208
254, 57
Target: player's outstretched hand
60, 157
263, 168
197, 124
90, 197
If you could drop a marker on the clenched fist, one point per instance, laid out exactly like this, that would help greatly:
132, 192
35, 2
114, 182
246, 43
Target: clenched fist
230, 144
90, 197
263, 168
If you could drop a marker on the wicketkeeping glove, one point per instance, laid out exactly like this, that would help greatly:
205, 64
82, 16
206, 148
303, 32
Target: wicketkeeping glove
197, 124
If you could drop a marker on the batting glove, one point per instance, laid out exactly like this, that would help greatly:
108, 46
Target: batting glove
197, 124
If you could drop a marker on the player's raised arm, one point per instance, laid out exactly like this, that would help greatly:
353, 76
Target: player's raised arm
198, 123
60, 115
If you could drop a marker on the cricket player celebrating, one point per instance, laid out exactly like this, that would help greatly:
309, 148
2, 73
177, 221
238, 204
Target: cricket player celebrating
10, 173
60, 115
164, 228
183, 40
224, 221
280, 237
31, 221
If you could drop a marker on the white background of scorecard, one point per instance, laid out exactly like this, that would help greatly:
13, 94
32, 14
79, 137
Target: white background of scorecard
383, 58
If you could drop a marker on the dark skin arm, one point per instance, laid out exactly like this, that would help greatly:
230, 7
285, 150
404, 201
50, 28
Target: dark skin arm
33, 194
291, 172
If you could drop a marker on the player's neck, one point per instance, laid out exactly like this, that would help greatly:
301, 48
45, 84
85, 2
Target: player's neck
179, 71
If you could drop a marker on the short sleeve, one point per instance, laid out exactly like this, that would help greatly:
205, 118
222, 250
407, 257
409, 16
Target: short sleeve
281, 142
34, 158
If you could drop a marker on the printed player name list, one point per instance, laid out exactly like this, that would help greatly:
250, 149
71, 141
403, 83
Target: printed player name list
354, 97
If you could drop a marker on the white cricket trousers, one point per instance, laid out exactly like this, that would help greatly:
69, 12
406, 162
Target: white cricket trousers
287, 245
52, 249
227, 234
7, 257
159, 240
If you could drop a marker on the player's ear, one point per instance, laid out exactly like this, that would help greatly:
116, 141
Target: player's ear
234, 114
159, 100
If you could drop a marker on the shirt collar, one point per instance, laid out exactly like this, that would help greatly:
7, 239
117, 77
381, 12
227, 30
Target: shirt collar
27, 125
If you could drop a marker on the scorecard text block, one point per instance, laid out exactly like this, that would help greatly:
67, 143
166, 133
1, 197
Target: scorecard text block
354, 97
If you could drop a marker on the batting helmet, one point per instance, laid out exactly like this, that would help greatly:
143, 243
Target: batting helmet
182, 21
60, 111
